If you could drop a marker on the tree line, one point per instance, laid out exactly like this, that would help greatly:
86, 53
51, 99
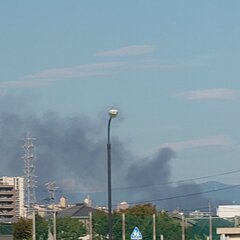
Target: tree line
140, 216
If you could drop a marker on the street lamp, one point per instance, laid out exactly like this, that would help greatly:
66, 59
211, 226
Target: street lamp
112, 114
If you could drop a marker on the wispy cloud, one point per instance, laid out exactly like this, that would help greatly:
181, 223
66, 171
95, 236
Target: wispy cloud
219, 140
22, 83
217, 93
45, 77
127, 51
76, 71
157, 65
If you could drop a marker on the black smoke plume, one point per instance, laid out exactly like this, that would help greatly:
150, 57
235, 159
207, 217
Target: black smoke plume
72, 152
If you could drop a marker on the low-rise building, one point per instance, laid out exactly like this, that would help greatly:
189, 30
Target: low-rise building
122, 206
229, 233
228, 211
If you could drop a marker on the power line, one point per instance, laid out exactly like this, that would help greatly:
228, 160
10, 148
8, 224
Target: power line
160, 184
186, 195
179, 181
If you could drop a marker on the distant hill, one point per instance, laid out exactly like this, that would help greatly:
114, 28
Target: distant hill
224, 196
230, 196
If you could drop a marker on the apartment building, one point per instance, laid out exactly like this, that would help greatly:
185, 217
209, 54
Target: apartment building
11, 198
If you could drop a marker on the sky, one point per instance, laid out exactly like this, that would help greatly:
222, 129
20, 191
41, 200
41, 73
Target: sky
171, 68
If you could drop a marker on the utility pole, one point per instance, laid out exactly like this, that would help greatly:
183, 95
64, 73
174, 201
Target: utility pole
210, 222
123, 227
90, 226
154, 226
183, 227
34, 225
54, 226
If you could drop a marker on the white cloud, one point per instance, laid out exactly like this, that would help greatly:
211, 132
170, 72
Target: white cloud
217, 93
43, 78
76, 71
219, 140
23, 83
127, 51
86, 70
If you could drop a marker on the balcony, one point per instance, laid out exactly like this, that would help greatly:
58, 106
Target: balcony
6, 206
7, 213
7, 199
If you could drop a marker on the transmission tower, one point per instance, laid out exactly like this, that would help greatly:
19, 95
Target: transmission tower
29, 173
51, 187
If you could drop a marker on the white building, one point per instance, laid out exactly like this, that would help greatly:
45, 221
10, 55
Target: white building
228, 211
18, 185
122, 206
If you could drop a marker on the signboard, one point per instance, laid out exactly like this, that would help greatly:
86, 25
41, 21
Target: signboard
136, 234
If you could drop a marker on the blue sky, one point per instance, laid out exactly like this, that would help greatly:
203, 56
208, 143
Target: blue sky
170, 67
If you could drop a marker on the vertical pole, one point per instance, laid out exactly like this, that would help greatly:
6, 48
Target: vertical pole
154, 226
34, 225
123, 227
183, 228
109, 183
109, 194
210, 222
235, 221
90, 225
54, 226
112, 113
210, 227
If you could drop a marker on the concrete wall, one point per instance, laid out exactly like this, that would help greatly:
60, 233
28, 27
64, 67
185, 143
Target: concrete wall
6, 237
229, 233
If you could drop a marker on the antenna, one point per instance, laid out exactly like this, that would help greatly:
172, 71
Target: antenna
29, 173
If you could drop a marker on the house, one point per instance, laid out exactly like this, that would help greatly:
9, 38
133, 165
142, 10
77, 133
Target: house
229, 233
80, 211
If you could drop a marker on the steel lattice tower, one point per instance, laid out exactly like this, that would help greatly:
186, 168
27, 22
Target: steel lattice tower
51, 187
29, 158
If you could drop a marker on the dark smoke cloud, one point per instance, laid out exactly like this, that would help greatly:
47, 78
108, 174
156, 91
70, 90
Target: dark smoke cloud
72, 152
151, 172
69, 150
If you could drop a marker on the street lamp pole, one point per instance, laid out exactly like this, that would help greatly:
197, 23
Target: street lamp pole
112, 114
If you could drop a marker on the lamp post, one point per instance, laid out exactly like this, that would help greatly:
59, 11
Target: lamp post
112, 114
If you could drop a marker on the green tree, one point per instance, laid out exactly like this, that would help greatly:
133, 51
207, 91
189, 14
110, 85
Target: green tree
22, 229
140, 216
141, 210
100, 225
70, 229
169, 228
41, 228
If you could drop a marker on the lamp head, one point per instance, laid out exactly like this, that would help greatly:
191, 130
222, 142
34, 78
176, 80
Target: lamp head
113, 113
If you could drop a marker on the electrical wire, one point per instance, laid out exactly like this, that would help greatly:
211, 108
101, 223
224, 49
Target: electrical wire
160, 184
185, 195
177, 182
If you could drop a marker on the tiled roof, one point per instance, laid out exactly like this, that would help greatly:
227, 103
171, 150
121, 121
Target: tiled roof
77, 211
